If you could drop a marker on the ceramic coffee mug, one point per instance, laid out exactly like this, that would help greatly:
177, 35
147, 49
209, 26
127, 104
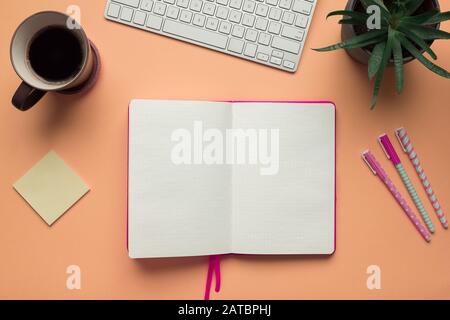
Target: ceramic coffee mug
50, 56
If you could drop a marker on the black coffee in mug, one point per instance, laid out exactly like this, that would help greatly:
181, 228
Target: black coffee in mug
51, 57
55, 54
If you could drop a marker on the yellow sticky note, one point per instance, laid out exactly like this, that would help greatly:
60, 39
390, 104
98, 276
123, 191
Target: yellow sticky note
51, 187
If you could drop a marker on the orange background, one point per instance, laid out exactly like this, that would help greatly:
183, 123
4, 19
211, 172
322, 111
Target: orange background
90, 133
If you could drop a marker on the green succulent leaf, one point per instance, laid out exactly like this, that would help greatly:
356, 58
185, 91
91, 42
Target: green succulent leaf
352, 21
360, 41
427, 63
349, 13
426, 33
375, 59
411, 34
420, 18
439, 17
411, 6
384, 61
398, 63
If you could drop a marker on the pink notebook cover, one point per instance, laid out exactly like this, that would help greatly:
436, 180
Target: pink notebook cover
251, 101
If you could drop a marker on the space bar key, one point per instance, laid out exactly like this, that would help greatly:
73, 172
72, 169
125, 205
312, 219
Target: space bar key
196, 34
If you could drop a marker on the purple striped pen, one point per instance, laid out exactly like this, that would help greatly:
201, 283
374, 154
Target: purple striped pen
407, 147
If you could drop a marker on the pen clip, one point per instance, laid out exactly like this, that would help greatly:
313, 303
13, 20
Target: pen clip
382, 147
397, 134
367, 162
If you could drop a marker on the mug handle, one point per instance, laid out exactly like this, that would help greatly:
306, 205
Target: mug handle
26, 97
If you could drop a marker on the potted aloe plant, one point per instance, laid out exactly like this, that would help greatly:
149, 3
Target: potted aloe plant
405, 32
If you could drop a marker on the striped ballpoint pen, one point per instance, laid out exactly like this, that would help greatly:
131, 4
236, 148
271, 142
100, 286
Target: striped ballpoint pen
389, 150
407, 147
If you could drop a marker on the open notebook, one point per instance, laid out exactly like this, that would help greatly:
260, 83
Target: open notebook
216, 177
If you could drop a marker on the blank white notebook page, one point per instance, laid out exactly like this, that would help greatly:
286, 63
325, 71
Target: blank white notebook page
175, 210
293, 211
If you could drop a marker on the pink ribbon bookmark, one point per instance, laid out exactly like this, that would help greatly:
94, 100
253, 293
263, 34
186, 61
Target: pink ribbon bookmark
213, 268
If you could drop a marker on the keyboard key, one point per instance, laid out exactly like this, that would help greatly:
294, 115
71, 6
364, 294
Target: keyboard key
196, 5
262, 56
131, 3
222, 12
173, 12
264, 38
274, 27
127, 14
169, 1
186, 16
147, 5
209, 9
199, 20
249, 6
238, 31
212, 24
236, 45
262, 10
275, 14
139, 17
160, 8
251, 35
195, 34
236, 4
288, 17
222, 2
277, 54
289, 64
293, 33
286, 45
154, 22
275, 60
248, 20
113, 10
235, 16
272, 2
302, 6
225, 27
285, 4
250, 50
261, 24
183, 3
301, 21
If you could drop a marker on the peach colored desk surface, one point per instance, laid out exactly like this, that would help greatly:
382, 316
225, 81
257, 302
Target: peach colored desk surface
90, 133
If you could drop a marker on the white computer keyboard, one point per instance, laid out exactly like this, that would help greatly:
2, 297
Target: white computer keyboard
270, 32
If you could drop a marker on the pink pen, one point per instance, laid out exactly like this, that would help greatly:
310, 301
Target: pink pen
376, 168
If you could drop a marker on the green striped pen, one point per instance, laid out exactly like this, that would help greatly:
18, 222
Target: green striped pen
389, 150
